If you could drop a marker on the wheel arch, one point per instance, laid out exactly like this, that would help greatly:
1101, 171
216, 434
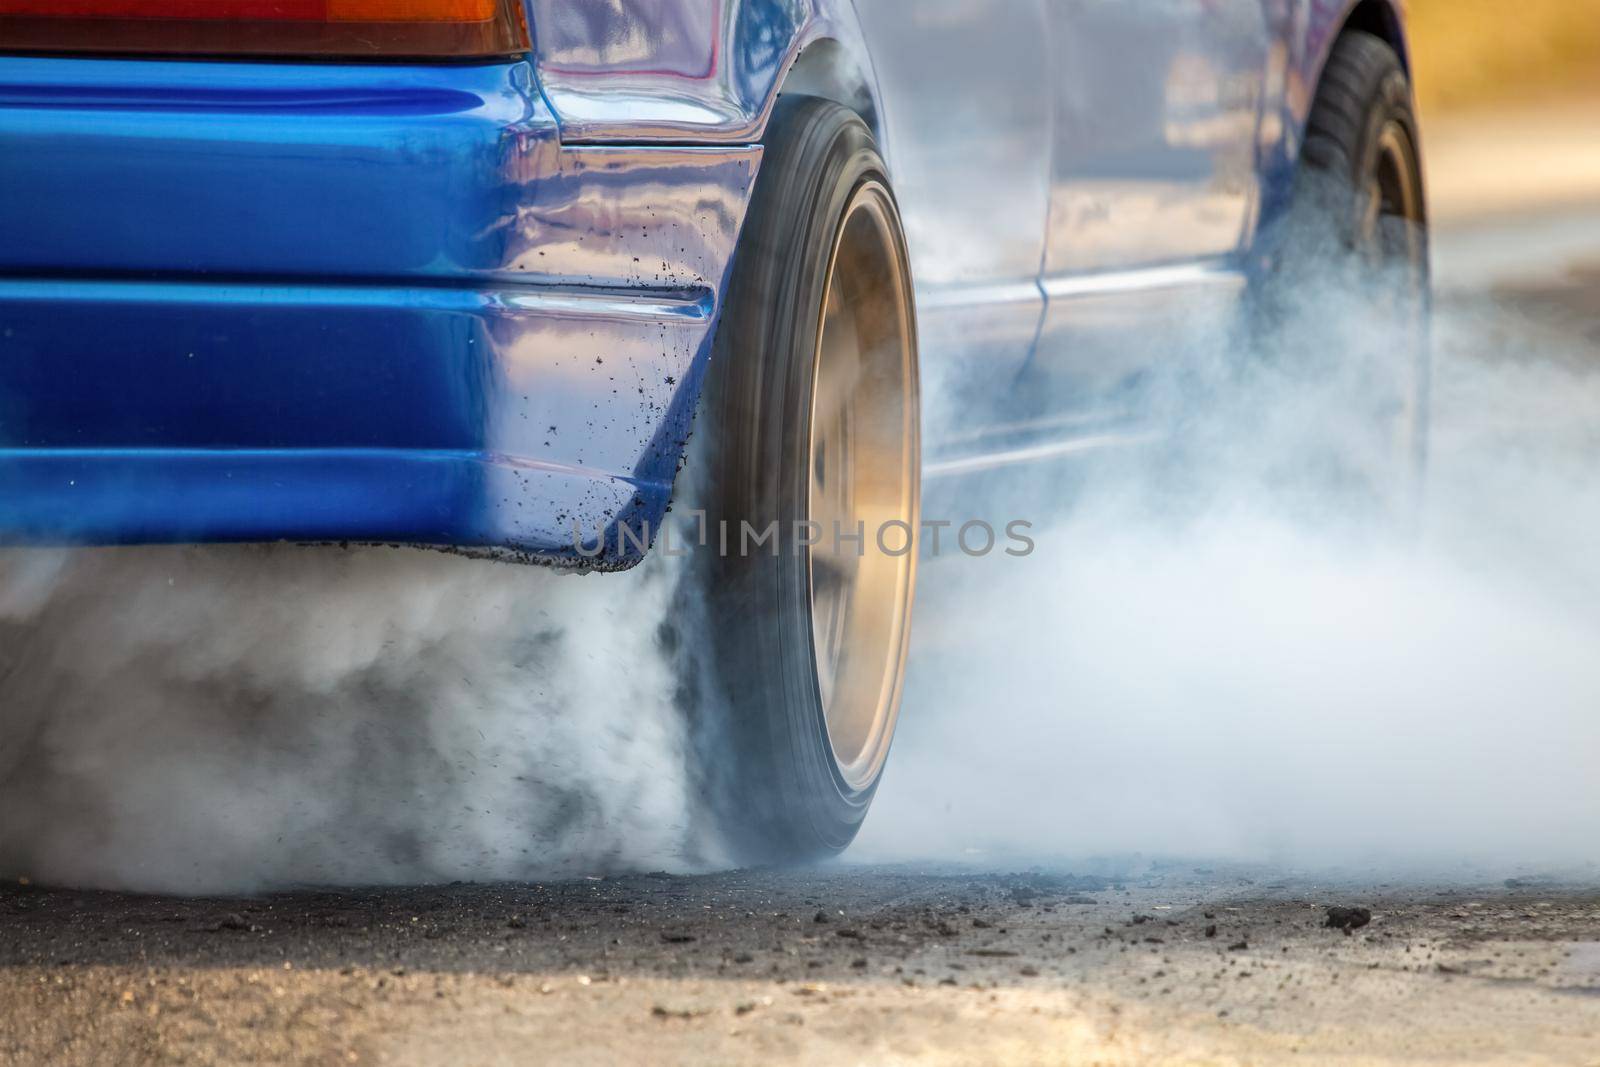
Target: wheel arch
1325, 23
1382, 19
694, 71
831, 68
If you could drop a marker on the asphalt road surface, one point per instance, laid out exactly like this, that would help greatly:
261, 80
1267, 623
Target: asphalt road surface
851, 964
842, 965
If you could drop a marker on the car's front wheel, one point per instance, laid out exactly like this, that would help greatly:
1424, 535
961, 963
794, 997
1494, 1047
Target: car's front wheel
811, 416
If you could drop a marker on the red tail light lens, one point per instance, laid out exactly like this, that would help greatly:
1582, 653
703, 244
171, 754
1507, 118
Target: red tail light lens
372, 28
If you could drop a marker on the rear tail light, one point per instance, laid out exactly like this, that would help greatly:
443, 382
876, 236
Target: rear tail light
375, 28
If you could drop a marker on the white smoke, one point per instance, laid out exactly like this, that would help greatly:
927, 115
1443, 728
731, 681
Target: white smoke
238, 718
1205, 656
1252, 674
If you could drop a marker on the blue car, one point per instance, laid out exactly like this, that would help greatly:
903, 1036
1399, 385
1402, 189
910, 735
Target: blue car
461, 273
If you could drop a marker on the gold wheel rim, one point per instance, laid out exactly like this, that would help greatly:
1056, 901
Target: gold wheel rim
863, 480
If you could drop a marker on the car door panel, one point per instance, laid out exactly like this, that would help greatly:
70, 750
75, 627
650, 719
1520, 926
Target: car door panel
1154, 186
1156, 108
965, 123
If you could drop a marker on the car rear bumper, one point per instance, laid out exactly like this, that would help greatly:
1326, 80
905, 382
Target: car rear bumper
246, 301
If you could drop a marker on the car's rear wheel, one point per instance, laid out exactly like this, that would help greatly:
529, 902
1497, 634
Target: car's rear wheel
1351, 282
811, 416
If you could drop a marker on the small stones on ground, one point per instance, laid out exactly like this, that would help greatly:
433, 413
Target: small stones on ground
1238, 946
661, 1011
1347, 919
846, 932
982, 924
516, 922
1211, 930
672, 937
1029, 971
993, 952
820, 917
743, 957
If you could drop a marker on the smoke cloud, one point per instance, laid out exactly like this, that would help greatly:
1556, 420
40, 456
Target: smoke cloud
1210, 654
1215, 657
238, 718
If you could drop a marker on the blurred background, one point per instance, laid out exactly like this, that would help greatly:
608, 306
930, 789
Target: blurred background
1510, 99
1469, 53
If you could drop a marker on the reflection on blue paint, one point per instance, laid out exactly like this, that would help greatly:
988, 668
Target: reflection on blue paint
472, 304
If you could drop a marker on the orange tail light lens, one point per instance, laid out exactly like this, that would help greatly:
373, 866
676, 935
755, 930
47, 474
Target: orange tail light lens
356, 28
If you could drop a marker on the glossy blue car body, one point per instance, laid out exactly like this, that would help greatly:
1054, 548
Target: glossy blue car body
471, 305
